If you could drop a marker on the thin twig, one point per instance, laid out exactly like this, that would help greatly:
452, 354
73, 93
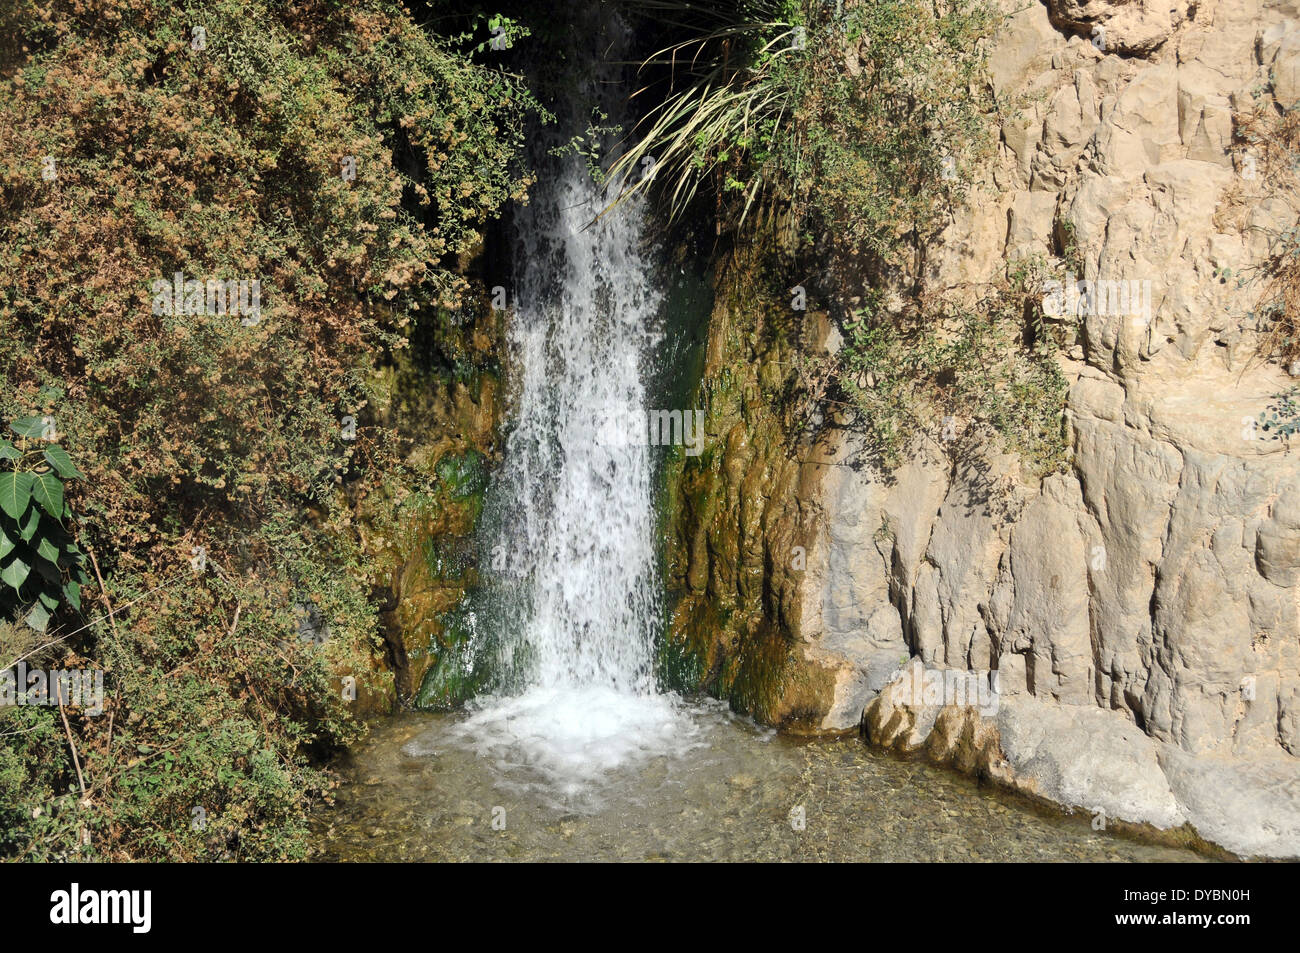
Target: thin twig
103, 591
81, 781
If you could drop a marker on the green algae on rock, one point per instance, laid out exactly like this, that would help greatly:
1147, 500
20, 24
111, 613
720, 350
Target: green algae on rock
443, 398
734, 519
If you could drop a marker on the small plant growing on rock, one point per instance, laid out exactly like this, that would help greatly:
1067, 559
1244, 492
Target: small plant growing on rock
1281, 420
990, 356
1271, 137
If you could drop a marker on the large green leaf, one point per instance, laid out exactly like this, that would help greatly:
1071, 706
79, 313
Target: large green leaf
58, 458
72, 592
39, 617
15, 574
28, 526
6, 544
47, 550
8, 451
47, 490
28, 426
15, 492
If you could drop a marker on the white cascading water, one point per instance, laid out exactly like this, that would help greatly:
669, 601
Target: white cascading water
585, 320
574, 546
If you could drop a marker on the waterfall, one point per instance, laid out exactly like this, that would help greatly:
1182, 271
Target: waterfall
575, 600
581, 521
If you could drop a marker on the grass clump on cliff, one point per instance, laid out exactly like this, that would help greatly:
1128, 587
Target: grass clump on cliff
844, 126
340, 156
959, 366
842, 138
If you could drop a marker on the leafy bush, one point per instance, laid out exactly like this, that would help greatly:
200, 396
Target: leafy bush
957, 367
854, 136
341, 157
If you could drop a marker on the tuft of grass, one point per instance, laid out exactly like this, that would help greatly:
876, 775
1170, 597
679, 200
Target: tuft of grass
854, 126
735, 83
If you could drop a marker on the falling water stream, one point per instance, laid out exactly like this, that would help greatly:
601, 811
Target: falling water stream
575, 753
571, 518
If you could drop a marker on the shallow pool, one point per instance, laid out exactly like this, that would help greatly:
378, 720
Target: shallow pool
415, 791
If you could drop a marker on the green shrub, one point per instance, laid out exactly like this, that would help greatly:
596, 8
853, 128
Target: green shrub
1281, 419
959, 365
854, 136
344, 158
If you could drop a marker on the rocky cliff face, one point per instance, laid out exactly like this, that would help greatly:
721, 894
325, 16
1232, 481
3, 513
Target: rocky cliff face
1142, 610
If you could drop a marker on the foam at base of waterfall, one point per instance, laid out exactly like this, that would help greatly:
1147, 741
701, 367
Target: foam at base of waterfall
566, 742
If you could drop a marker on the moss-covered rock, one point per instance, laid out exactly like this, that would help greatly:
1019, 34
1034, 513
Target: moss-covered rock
451, 674
734, 519
443, 397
